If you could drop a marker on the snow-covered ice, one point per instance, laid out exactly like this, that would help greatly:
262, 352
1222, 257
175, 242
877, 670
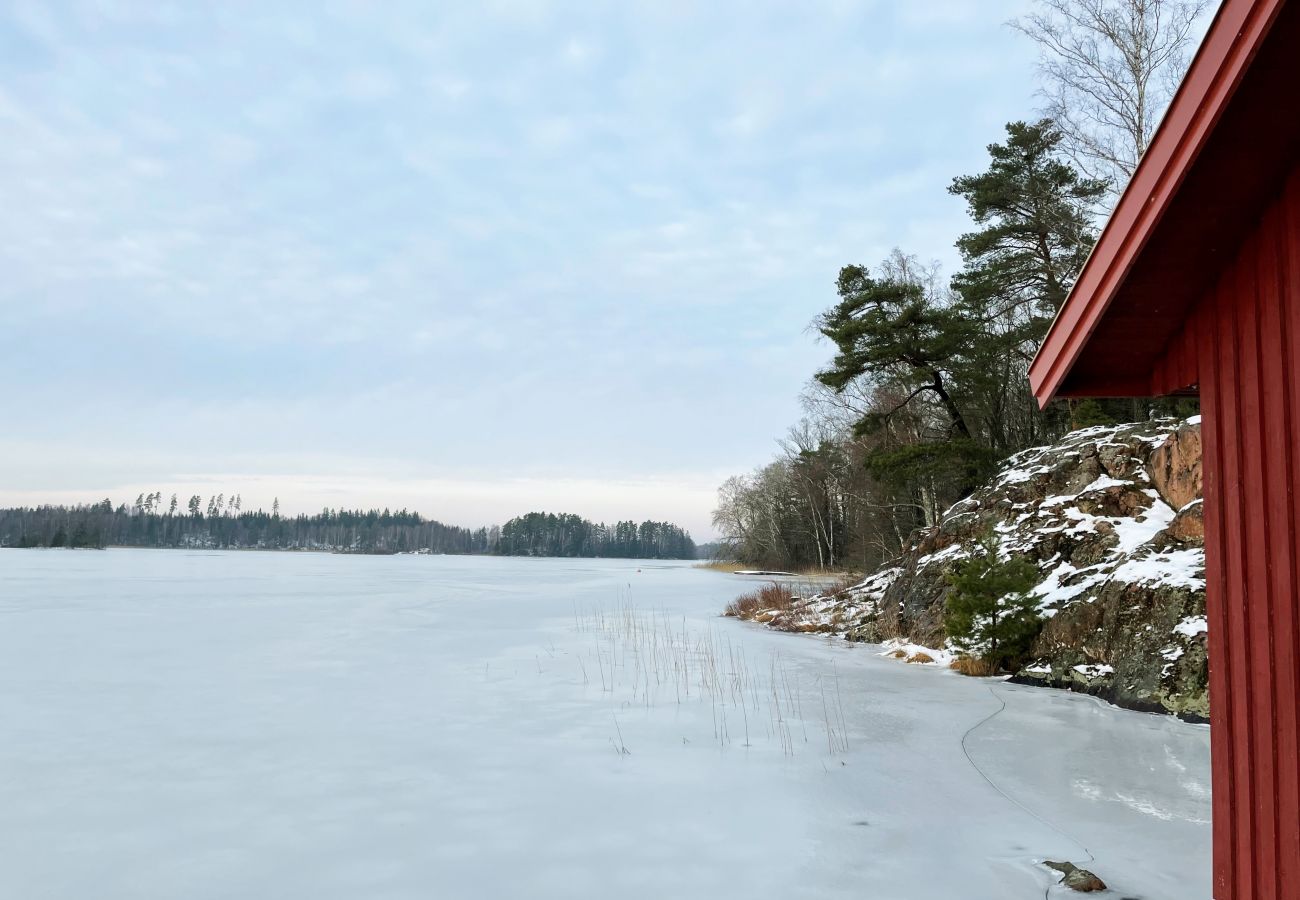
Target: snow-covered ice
274, 725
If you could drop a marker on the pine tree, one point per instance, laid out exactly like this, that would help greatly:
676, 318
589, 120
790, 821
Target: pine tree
897, 330
1036, 212
990, 612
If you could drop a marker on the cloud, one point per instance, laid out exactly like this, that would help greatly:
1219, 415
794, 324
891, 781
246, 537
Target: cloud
502, 241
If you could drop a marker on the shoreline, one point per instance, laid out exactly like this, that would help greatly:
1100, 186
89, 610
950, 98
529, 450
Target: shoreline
338, 552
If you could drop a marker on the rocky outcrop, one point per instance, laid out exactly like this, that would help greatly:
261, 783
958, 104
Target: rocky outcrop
1112, 518
1175, 466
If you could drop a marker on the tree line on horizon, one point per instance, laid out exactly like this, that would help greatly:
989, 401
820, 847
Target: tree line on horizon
928, 388
550, 534
224, 524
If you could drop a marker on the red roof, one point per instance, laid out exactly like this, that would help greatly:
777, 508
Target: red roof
1217, 159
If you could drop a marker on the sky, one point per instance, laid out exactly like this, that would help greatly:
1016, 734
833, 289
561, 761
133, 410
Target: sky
471, 259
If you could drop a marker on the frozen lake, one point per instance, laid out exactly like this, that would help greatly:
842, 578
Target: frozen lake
274, 725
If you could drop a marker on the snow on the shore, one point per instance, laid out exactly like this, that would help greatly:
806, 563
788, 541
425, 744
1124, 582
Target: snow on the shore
874, 587
1131, 554
918, 654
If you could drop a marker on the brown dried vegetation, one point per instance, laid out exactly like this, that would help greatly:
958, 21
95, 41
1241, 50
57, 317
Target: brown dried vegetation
975, 666
770, 597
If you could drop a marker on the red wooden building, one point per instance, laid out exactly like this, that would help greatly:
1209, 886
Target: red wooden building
1194, 287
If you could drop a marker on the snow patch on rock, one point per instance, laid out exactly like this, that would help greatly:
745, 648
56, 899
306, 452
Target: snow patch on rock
1192, 626
918, 654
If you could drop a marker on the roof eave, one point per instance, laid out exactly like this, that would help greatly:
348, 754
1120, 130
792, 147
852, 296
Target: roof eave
1234, 37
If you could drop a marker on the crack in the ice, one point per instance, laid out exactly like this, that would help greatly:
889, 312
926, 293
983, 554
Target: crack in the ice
1002, 705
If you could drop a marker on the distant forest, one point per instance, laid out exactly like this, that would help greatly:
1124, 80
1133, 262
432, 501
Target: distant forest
548, 534
222, 524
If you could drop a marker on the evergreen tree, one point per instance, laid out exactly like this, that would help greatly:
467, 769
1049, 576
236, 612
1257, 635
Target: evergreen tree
99, 525
1036, 213
898, 331
893, 326
568, 535
990, 613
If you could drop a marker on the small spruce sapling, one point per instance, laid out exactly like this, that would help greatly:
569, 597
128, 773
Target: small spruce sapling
990, 613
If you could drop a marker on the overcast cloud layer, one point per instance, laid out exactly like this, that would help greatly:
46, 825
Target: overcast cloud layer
467, 258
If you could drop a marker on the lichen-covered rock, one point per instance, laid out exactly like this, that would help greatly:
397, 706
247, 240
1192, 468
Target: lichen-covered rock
1122, 566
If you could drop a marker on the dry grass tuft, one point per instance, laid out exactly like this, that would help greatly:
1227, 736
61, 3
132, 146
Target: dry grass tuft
898, 654
830, 581
769, 597
719, 565
977, 667
814, 628
920, 658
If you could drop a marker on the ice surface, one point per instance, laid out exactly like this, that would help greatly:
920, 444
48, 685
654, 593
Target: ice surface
273, 725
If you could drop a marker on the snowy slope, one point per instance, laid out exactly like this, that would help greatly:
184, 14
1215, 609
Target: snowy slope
1111, 516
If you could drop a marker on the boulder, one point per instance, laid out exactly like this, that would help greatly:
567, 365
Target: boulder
1076, 878
1188, 526
1175, 466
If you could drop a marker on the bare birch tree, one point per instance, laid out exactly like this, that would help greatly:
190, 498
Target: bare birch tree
1109, 69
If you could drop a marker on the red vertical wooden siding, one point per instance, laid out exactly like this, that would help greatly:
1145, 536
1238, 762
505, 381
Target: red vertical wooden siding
1241, 345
